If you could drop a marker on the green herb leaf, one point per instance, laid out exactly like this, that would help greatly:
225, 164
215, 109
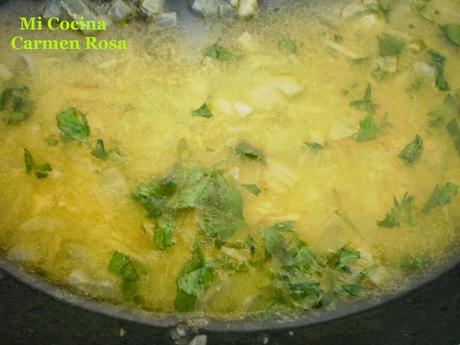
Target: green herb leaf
298, 288
196, 282
401, 212
352, 289
390, 45
346, 257
296, 280
117, 262
128, 272
150, 196
122, 266
163, 233
184, 302
412, 152
454, 131
287, 45
379, 73
252, 188
355, 287
298, 273
282, 243
190, 195
314, 146
392, 220
232, 263
73, 125
244, 149
40, 170
99, 151
306, 258
223, 210
15, 104
338, 38
442, 195
219, 202
450, 106
203, 111
368, 130
219, 53
452, 32
192, 282
384, 7
404, 208
426, 9
226, 197
51, 140
130, 291
154, 195
439, 63
28, 160
415, 264
275, 242
415, 85
366, 103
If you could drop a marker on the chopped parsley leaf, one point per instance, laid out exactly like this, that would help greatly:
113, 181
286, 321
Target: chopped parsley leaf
355, 287
52, 140
345, 257
15, 104
314, 146
452, 32
401, 212
295, 268
163, 233
73, 125
222, 211
189, 187
450, 106
366, 103
275, 243
192, 193
439, 62
122, 266
415, 263
99, 150
390, 45
415, 85
454, 131
252, 188
338, 38
384, 7
244, 149
219, 53
40, 170
412, 152
368, 130
442, 195
192, 282
28, 160
203, 111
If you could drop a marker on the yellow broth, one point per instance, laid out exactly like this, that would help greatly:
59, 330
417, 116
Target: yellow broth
68, 225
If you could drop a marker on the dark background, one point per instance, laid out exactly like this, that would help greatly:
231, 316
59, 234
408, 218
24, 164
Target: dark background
430, 315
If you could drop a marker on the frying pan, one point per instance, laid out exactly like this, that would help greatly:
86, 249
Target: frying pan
210, 325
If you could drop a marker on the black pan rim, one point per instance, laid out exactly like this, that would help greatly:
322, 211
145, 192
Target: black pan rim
213, 325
